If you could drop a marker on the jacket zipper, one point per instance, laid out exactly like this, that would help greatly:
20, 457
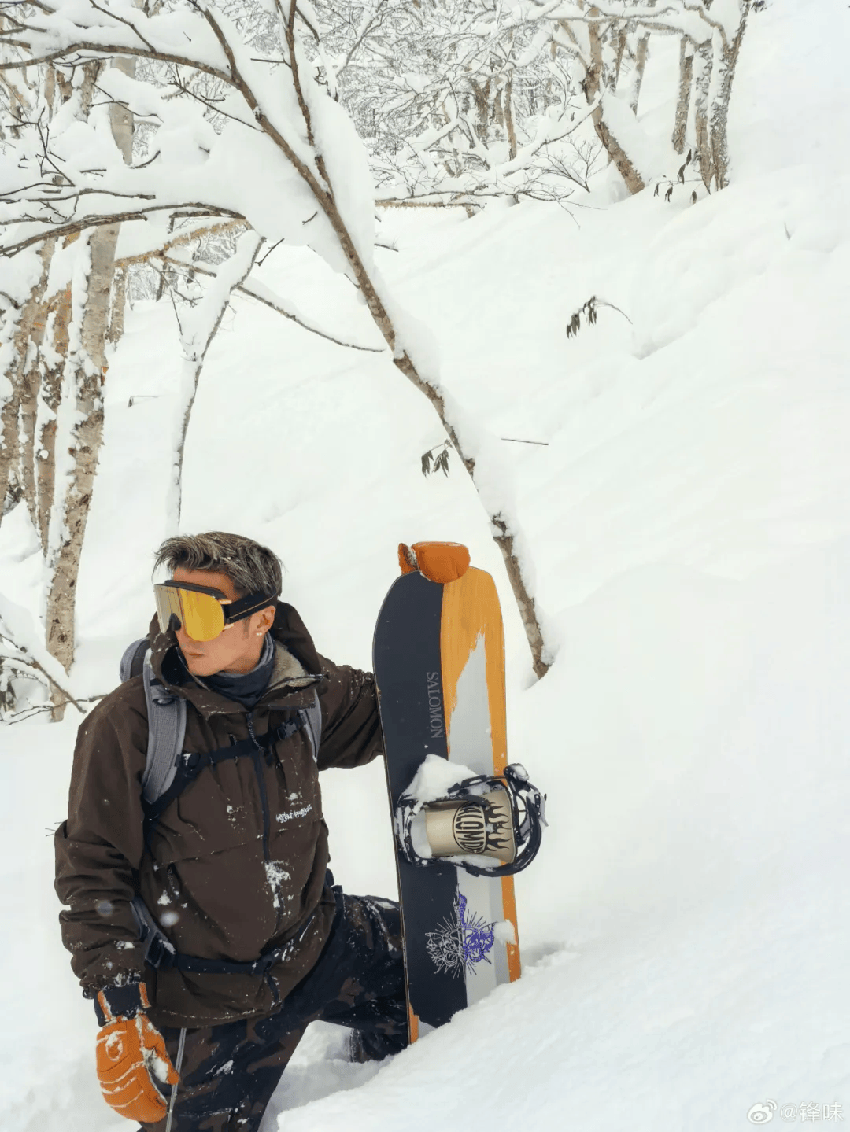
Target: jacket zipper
261, 782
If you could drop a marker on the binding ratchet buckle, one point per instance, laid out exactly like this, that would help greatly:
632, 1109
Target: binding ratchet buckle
490, 825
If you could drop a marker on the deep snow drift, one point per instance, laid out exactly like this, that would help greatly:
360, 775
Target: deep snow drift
688, 523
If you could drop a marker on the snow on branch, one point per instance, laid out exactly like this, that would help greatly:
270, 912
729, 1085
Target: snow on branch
76, 178
258, 142
19, 645
692, 20
253, 289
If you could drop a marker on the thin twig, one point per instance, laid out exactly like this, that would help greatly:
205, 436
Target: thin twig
260, 262
149, 161
176, 315
514, 440
285, 62
25, 714
126, 23
246, 289
604, 303
75, 196
206, 102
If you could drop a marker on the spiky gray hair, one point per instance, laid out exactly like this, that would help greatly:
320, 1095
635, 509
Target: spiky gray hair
252, 568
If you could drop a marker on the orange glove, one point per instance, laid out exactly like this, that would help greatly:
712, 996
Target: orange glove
436, 561
131, 1055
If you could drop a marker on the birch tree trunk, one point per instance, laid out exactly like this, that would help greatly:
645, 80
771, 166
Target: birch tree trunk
509, 119
720, 106
683, 100
640, 68
55, 350
622, 40
703, 62
594, 87
19, 412
84, 377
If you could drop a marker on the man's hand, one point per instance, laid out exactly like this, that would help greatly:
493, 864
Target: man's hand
131, 1055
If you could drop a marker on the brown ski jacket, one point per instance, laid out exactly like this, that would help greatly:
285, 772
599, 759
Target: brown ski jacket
236, 865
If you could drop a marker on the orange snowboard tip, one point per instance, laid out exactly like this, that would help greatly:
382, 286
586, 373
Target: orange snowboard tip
437, 561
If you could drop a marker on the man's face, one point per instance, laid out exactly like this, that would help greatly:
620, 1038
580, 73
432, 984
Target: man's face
238, 646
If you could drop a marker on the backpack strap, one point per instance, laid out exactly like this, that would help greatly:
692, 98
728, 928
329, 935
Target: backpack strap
133, 659
166, 732
184, 768
166, 721
161, 953
167, 771
313, 721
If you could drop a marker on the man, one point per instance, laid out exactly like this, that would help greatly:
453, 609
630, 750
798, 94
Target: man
231, 871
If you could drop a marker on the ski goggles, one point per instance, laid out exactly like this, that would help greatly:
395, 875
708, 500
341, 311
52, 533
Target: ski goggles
202, 610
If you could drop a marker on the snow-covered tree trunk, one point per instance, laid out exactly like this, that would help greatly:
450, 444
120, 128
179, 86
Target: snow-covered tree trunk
641, 55
84, 375
54, 351
79, 434
622, 43
726, 63
683, 99
22, 330
596, 94
703, 64
508, 114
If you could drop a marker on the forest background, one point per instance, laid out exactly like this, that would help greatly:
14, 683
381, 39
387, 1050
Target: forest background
122, 129
651, 397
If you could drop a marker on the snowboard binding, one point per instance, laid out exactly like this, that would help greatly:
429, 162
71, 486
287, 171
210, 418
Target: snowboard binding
488, 816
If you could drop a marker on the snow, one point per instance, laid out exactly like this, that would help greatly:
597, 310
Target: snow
435, 778
687, 516
645, 153
347, 166
432, 781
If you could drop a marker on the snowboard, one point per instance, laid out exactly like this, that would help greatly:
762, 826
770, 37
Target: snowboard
439, 667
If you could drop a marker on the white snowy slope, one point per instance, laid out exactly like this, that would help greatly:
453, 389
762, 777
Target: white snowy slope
684, 929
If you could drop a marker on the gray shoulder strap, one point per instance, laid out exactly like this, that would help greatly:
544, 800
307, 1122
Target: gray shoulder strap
131, 661
166, 732
314, 724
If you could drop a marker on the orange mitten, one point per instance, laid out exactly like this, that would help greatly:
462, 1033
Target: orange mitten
436, 561
131, 1056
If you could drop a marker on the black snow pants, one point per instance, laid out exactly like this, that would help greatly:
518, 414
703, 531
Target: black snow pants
230, 1071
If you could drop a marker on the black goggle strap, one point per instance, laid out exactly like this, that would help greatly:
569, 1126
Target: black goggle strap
245, 606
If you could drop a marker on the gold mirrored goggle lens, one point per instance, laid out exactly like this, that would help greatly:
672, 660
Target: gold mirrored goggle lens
203, 616
200, 614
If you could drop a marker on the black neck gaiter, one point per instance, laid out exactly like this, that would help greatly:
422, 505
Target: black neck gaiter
245, 687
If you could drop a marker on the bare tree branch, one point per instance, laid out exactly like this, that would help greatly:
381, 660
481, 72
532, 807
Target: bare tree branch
114, 218
245, 288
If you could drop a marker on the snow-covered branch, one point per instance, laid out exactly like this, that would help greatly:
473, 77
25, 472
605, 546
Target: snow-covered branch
264, 146
19, 645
